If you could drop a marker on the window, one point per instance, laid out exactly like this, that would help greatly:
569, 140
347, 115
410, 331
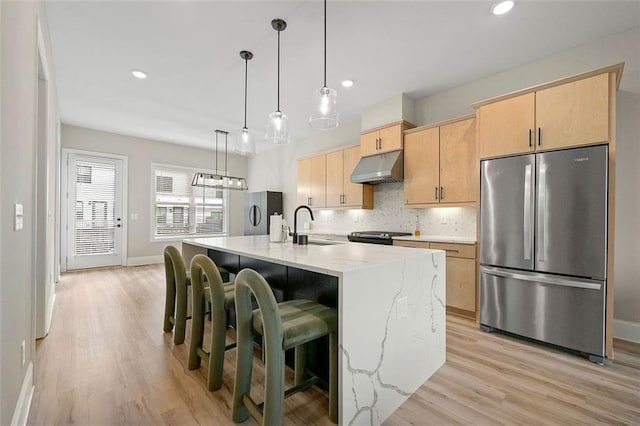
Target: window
181, 210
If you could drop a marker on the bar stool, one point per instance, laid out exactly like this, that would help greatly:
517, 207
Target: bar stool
221, 297
178, 279
283, 326
175, 306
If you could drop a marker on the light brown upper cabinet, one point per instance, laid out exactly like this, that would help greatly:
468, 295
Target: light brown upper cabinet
422, 166
341, 192
312, 175
383, 139
440, 164
551, 117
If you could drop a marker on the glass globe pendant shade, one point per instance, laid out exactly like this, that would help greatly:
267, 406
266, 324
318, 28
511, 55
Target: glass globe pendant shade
245, 145
278, 128
324, 112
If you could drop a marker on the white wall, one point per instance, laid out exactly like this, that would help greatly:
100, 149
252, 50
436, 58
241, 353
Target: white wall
141, 153
18, 115
276, 169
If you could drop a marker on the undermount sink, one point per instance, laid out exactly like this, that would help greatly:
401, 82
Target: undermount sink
323, 242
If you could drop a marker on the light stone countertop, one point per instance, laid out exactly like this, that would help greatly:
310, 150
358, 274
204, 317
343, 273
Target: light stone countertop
438, 239
334, 259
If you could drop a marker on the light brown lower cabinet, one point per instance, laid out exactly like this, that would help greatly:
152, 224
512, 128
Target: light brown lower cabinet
461, 274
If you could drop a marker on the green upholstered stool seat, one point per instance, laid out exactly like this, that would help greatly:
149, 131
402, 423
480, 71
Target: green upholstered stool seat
221, 297
302, 321
290, 324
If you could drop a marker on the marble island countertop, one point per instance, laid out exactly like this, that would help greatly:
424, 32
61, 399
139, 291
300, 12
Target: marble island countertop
334, 258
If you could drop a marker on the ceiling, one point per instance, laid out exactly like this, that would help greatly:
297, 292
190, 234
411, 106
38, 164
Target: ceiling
195, 83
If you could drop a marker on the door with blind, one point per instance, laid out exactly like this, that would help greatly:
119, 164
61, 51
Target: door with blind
94, 211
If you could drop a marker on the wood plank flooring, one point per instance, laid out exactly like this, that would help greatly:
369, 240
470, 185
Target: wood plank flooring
107, 361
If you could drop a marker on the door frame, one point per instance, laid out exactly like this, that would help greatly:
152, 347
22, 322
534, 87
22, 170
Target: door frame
64, 200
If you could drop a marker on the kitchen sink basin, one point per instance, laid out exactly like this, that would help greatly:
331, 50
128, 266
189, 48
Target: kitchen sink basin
323, 242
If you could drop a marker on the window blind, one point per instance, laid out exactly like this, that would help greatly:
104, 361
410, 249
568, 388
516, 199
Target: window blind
181, 209
95, 208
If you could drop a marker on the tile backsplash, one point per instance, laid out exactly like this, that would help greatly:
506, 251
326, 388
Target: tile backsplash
390, 214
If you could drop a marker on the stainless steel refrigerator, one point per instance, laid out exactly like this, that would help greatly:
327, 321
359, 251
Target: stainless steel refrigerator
259, 206
543, 247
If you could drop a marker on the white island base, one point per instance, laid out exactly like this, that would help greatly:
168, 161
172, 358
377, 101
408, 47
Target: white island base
391, 315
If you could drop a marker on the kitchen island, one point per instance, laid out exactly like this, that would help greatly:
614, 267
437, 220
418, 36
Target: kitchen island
391, 310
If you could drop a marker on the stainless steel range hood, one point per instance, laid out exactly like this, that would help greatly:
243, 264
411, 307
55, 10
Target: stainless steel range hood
380, 168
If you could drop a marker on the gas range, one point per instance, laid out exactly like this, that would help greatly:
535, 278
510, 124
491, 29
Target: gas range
375, 237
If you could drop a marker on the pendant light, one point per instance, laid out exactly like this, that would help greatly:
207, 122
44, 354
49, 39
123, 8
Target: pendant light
324, 112
245, 145
278, 123
216, 180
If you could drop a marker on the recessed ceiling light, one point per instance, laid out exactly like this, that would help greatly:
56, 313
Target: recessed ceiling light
347, 83
139, 74
502, 7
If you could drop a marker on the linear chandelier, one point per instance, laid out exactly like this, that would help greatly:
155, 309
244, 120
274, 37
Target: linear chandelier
218, 181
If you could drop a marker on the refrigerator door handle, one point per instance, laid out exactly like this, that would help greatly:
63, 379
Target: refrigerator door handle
259, 218
252, 215
528, 237
542, 212
541, 278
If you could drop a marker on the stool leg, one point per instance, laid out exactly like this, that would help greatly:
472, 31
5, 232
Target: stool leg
244, 366
181, 314
169, 303
274, 385
333, 377
300, 364
216, 350
197, 327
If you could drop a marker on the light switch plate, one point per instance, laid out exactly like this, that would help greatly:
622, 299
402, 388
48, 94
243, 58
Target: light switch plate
19, 217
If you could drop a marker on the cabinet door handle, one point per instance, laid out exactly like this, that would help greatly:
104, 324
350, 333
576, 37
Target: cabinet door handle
436, 193
452, 251
530, 134
441, 196
539, 136
380, 143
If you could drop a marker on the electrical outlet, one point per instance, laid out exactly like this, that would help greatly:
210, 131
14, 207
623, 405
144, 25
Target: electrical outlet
356, 219
401, 307
24, 353
443, 218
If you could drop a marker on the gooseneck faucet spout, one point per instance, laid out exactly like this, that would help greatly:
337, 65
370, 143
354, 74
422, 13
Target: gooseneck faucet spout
295, 222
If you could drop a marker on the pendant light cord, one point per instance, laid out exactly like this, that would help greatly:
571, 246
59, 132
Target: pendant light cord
216, 152
246, 62
278, 71
325, 43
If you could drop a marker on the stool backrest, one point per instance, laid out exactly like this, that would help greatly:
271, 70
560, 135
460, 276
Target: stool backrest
174, 267
250, 282
201, 267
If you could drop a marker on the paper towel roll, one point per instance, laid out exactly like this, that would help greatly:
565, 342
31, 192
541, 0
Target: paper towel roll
275, 229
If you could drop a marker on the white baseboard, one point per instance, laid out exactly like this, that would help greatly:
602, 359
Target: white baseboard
144, 260
49, 314
23, 405
626, 330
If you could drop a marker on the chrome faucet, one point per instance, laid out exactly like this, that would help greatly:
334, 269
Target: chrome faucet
295, 222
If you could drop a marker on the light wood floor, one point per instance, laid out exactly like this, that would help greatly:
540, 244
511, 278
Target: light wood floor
107, 361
